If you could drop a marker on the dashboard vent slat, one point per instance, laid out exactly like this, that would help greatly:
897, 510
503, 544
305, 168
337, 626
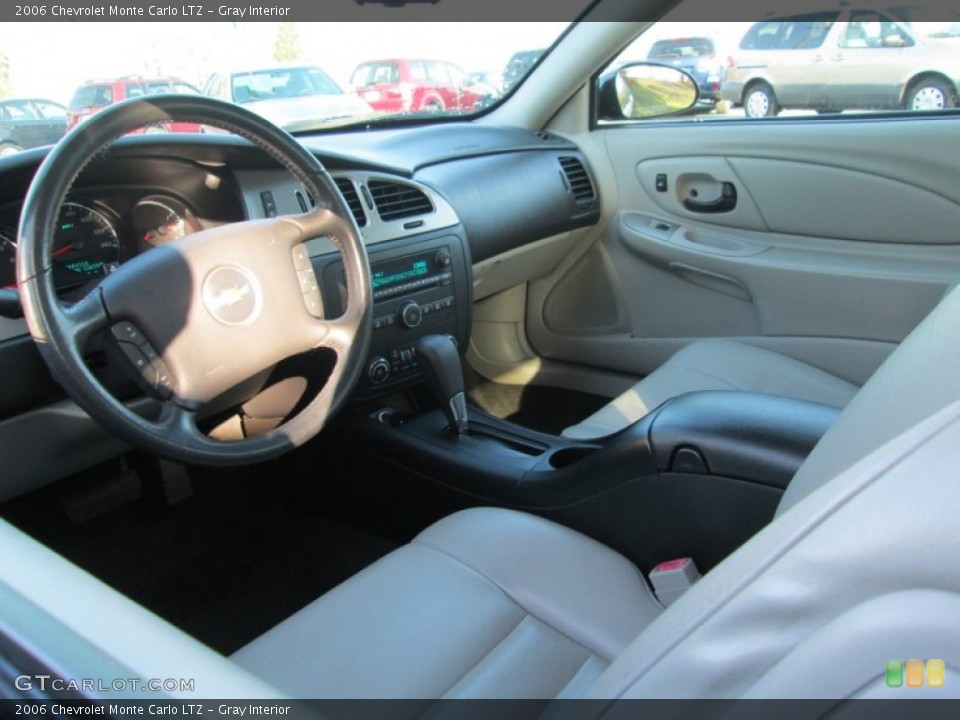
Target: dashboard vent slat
395, 201
349, 192
579, 181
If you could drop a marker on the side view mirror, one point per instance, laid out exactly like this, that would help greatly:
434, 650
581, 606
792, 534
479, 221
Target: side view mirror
636, 91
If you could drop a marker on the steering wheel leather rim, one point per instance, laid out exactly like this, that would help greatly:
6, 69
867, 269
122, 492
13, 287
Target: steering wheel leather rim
61, 332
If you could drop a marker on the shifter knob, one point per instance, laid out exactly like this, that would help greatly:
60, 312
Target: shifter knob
443, 372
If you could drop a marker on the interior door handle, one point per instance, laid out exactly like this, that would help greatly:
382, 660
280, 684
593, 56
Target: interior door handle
725, 203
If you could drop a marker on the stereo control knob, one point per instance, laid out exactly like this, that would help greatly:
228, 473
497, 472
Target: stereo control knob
378, 370
442, 259
411, 315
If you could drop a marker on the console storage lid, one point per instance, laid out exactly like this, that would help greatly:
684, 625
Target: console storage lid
749, 436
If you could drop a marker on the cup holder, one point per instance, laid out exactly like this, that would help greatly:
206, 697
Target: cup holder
565, 457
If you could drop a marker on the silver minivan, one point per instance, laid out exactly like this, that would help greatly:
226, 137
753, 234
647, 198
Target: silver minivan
850, 59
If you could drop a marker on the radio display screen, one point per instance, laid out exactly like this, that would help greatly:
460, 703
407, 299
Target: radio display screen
397, 272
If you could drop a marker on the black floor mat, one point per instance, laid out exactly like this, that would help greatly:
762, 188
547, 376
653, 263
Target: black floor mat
547, 409
225, 565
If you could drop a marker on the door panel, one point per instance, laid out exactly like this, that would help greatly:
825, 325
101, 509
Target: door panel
844, 236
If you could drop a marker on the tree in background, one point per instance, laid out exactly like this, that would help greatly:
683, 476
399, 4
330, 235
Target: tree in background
287, 44
4, 74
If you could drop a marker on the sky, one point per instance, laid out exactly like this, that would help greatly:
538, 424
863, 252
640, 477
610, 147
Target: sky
191, 51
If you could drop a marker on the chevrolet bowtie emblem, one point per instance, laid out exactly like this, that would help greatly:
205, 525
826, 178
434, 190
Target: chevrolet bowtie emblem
230, 296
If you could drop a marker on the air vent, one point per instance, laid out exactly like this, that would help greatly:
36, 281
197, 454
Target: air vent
395, 201
578, 180
349, 192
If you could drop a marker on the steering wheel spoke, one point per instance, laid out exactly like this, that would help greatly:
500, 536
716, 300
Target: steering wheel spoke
84, 319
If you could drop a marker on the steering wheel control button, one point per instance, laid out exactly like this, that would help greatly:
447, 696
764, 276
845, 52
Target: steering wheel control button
307, 280
301, 258
313, 303
127, 332
145, 359
411, 315
232, 295
378, 371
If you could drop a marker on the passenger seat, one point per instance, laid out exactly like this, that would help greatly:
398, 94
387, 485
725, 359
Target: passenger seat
715, 365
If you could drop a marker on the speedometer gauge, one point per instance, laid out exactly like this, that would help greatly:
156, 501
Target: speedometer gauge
85, 245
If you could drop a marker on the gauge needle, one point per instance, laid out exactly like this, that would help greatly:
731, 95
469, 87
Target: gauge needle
61, 251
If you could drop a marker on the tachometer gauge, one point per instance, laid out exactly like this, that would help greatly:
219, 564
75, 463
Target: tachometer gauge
8, 259
158, 219
85, 245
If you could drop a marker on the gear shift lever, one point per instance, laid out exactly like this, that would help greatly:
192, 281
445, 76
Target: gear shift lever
443, 372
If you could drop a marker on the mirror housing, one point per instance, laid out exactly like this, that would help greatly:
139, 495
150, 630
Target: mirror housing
641, 90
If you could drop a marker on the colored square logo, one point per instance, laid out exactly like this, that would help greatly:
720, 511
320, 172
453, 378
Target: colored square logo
894, 673
914, 673
936, 673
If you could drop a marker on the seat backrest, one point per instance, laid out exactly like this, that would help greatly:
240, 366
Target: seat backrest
919, 378
859, 566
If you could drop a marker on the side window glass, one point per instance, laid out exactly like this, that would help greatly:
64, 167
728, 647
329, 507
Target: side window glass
438, 73
418, 72
762, 36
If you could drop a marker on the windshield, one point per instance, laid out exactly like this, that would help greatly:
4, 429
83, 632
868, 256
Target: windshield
329, 74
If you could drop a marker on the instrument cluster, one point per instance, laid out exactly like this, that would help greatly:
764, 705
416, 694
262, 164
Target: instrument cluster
93, 237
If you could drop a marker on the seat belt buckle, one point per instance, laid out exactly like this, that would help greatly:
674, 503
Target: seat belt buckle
672, 578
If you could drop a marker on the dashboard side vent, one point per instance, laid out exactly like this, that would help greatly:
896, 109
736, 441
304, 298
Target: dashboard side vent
578, 180
349, 192
395, 201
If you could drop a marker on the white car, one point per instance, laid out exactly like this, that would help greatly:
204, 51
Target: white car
287, 95
853, 57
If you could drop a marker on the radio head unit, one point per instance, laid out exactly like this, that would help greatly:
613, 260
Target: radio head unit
420, 287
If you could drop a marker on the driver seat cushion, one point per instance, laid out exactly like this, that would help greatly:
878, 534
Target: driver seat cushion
485, 603
716, 365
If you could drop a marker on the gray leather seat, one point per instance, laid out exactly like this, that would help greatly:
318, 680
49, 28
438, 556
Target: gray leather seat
715, 365
858, 567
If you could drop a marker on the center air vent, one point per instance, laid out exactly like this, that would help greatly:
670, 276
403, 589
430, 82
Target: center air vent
578, 181
395, 201
349, 192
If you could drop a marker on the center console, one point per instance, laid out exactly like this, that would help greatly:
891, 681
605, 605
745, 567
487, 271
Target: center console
421, 286
696, 477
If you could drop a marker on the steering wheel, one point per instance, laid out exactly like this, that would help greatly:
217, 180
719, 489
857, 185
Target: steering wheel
201, 314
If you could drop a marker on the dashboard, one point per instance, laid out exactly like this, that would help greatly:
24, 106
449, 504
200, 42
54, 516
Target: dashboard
440, 209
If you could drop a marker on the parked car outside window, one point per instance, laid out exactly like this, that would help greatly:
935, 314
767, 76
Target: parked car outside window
842, 60
415, 85
697, 56
30, 122
96, 95
518, 66
286, 95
